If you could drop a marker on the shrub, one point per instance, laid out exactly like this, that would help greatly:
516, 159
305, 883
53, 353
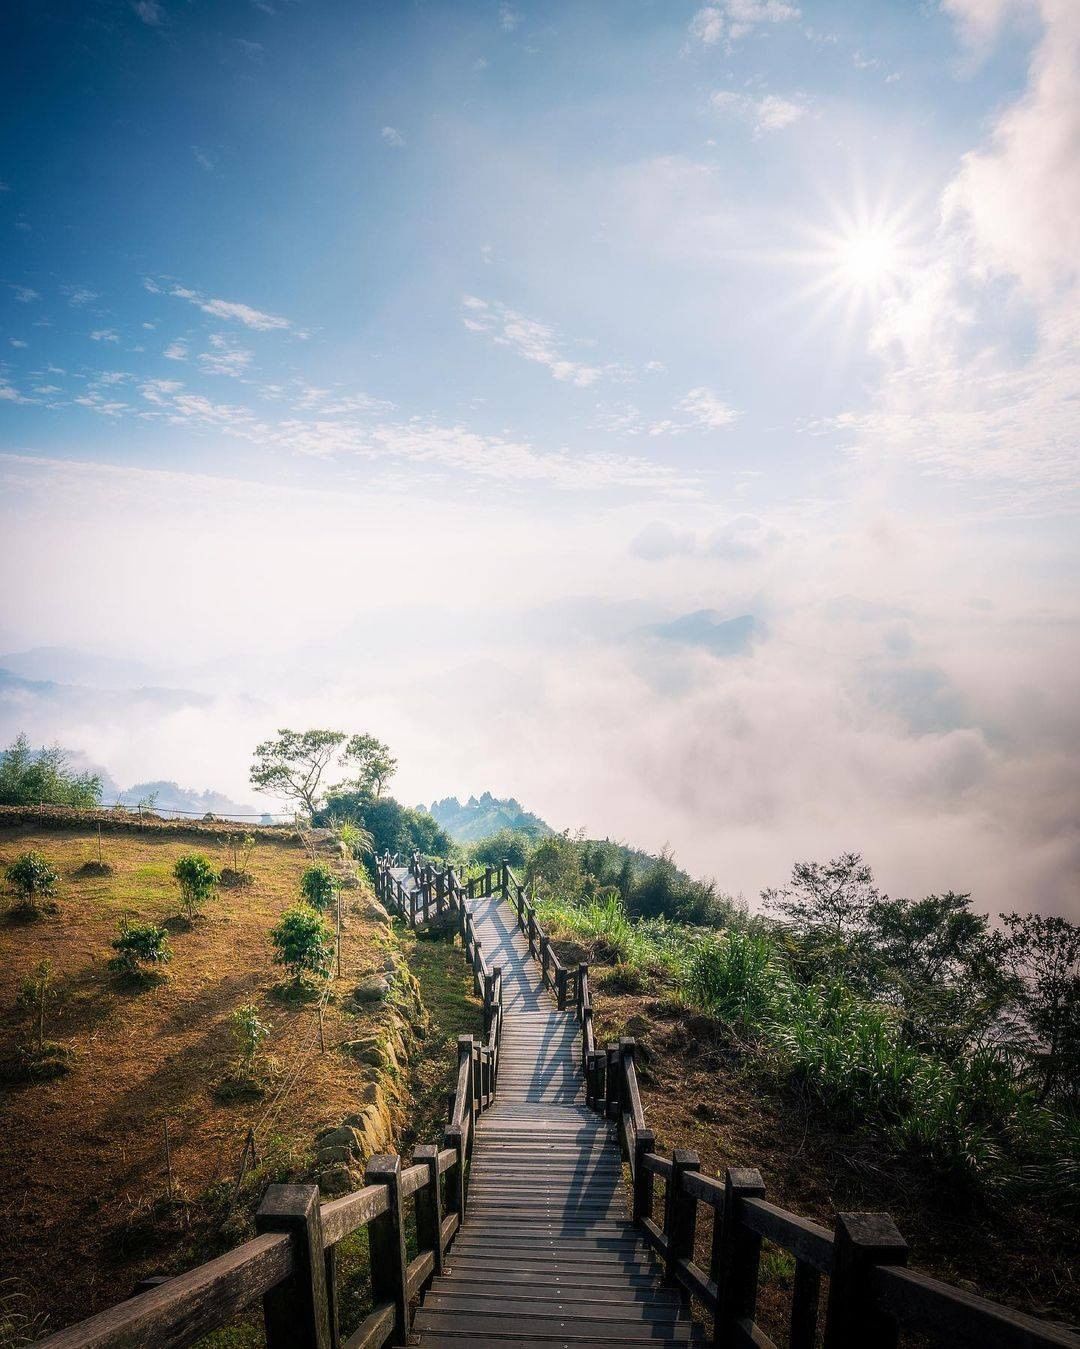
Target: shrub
33, 880
197, 879
318, 886
736, 978
139, 948
249, 1032
304, 943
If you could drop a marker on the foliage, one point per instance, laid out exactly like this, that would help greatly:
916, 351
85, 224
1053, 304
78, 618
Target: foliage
304, 944
373, 762
393, 828
354, 840
140, 947
1043, 956
33, 879
29, 777
480, 817
197, 878
240, 847
509, 844
829, 897
250, 1033
318, 886
33, 996
293, 765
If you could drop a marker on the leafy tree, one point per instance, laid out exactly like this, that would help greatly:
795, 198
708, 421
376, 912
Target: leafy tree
373, 762
555, 867
33, 879
831, 898
1043, 955
33, 995
293, 763
507, 843
197, 879
140, 947
318, 886
392, 826
250, 1031
28, 777
304, 944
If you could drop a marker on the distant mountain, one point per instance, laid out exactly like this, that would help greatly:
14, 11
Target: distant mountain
169, 796
481, 817
69, 665
707, 630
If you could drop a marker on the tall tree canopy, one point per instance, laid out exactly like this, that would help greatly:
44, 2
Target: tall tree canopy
295, 764
28, 777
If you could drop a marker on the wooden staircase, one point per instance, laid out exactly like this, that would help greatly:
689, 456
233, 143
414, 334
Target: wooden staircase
546, 1254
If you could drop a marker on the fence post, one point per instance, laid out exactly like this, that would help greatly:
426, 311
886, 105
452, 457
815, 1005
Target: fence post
440, 891
504, 881
736, 1254
453, 1137
519, 902
680, 1212
544, 956
465, 1053
560, 988
643, 1180
861, 1241
429, 1204
386, 1243
296, 1312
487, 881
611, 1104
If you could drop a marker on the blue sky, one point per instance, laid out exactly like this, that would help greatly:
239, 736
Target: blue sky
560, 335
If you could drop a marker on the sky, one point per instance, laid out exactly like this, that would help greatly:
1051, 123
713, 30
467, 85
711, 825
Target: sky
667, 415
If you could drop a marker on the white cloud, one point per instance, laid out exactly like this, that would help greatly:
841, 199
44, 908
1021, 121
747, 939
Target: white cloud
509, 18
104, 335
17, 342
204, 159
176, 351
529, 338
392, 136
225, 358
25, 294
150, 11
232, 309
705, 408
770, 113
80, 295
733, 19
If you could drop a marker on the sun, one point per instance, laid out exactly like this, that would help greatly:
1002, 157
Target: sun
869, 258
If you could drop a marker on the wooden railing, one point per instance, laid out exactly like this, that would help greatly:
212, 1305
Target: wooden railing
872, 1297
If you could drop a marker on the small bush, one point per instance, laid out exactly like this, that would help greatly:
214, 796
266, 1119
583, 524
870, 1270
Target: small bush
318, 886
34, 880
140, 949
197, 879
304, 944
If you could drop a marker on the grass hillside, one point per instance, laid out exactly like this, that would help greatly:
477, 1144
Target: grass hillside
83, 1189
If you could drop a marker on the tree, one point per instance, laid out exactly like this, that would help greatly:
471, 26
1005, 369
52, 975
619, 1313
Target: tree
507, 843
318, 886
249, 1032
830, 898
304, 943
1043, 955
196, 878
392, 826
33, 879
292, 765
139, 947
374, 764
28, 777
555, 866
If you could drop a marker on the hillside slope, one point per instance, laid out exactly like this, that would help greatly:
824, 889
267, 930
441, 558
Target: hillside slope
479, 817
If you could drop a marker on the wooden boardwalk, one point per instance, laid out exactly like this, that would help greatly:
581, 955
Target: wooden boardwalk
547, 1254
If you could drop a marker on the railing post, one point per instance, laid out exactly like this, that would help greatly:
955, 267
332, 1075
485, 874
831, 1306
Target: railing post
680, 1212
296, 1312
531, 929
386, 1243
560, 988
478, 1079
544, 957
487, 881
453, 1137
643, 1180
611, 1104
465, 1052
519, 904
736, 1254
861, 1241
429, 1205
582, 984
440, 891
504, 880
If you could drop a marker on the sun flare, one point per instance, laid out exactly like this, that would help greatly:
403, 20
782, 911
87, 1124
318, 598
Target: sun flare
869, 258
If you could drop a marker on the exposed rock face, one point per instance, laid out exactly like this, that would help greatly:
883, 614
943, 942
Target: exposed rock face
373, 989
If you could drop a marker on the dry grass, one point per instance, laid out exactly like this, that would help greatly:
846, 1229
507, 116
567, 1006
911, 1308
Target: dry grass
81, 1157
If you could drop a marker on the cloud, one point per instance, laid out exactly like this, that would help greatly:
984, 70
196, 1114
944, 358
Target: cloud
25, 294
17, 342
529, 338
734, 19
770, 113
104, 335
150, 11
80, 296
176, 351
509, 18
231, 309
742, 538
204, 159
706, 409
392, 136
225, 358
